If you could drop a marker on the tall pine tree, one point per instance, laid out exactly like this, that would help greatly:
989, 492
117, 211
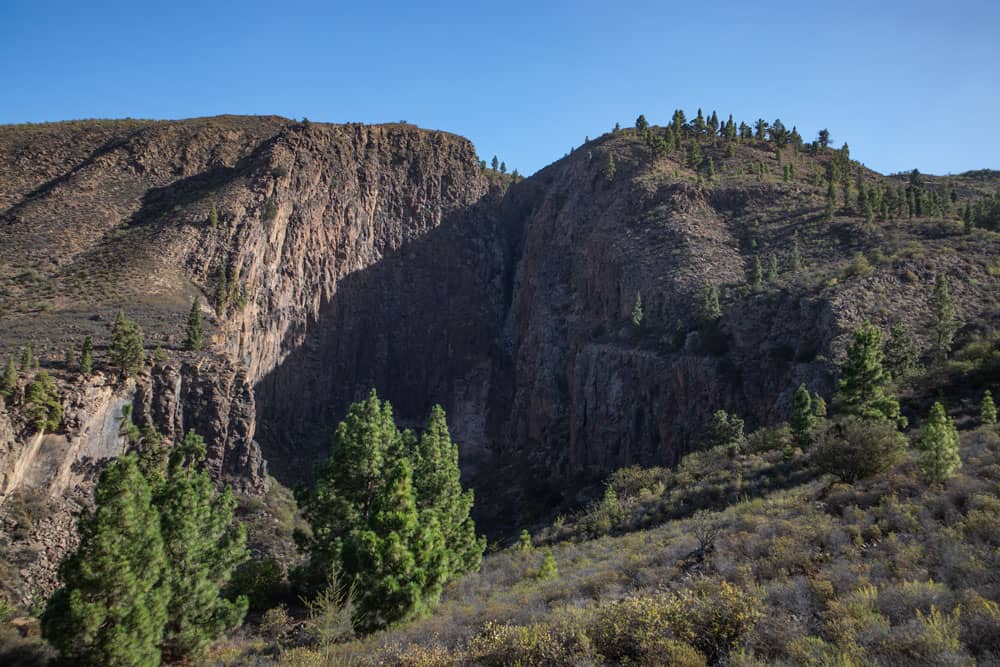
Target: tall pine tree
988, 409
112, 606
943, 322
863, 388
126, 351
938, 458
803, 419
203, 547
195, 334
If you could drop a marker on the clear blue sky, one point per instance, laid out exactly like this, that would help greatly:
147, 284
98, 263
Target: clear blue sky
906, 84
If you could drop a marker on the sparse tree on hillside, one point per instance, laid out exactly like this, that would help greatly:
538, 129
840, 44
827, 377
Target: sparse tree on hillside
44, 406
725, 429
988, 410
863, 387
27, 360
213, 217
831, 200
195, 328
126, 351
795, 259
698, 125
495, 163
943, 322
87, 356
819, 406
803, 418
112, 606
617, 128
760, 129
772, 268
901, 353
8, 384
641, 123
637, 310
756, 277
938, 458
824, 138
610, 169
503, 167
709, 309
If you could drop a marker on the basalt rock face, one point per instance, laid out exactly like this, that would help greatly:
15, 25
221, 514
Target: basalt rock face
342, 258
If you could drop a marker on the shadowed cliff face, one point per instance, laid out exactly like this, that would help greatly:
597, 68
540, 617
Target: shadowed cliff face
351, 257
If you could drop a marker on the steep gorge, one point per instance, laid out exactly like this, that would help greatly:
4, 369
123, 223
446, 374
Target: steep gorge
353, 257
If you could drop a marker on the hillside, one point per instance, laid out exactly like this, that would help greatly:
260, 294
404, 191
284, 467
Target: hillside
563, 322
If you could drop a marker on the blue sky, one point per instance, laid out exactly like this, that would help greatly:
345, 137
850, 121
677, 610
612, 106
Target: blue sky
906, 84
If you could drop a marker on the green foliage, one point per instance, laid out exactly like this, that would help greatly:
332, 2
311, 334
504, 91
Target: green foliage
610, 169
390, 540
195, 333
772, 268
8, 383
26, 358
988, 410
270, 210
399, 559
795, 259
819, 406
938, 445
438, 489
708, 309
203, 547
637, 311
863, 387
943, 323
259, 580
112, 607
213, 217
87, 356
549, 569
159, 354
44, 406
901, 353
641, 123
756, 275
524, 542
803, 419
853, 448
126, 350
725, 429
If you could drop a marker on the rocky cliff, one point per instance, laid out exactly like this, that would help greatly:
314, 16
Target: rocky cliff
332, 259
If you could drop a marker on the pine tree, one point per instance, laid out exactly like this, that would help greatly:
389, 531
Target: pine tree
549, 569
803, 418
126, 351
795, 259
637, 311
70, 358
203, 547
863, 391
756, 277
195, 329
938, 458
772, 268
495, 163
503, 167
708, 308
819, 406
438, 488
399, 558
87, 356
610, 169
943, 322
8, 384
44, 406
348, 482
901, 353
112, 606
213, 217
824, 138
641, 123
988, 410
27, 361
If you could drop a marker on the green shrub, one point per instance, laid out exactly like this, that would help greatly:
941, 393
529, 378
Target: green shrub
853, 448
537, 644
260, 580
